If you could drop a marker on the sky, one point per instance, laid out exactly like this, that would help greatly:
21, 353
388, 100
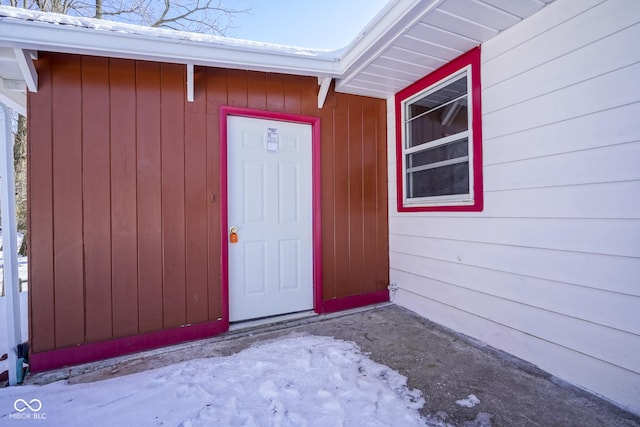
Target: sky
295, 381
318, 24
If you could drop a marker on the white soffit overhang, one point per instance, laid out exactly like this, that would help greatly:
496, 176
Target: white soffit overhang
407, 40
412, 38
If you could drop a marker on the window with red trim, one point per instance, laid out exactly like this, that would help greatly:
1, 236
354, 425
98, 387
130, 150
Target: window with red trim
439, 139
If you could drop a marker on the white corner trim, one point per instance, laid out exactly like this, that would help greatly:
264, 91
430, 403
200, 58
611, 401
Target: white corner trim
8, 213
324, 83
25, 61
190, 84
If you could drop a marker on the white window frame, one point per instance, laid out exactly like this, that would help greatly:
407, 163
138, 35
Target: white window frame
445, 200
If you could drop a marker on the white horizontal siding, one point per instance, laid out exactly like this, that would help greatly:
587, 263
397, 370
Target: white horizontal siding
616, 274
610, 90
587, 167
605, 200
590, 236
606, 308
586, 132
584, 26
537, 25
550, 270
567, 70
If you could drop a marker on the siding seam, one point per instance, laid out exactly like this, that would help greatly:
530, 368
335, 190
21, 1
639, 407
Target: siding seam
547, 156
511, 245
575, 184
481, 267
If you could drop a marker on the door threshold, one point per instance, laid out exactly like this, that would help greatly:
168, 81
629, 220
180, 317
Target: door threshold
252, 323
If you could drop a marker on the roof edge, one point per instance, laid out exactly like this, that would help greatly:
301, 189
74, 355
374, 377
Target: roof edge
90, 36
390, 23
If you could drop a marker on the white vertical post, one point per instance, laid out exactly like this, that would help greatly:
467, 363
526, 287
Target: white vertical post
325, 83
9, 243
190, 83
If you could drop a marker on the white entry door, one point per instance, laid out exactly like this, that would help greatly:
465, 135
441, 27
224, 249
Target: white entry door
270, 208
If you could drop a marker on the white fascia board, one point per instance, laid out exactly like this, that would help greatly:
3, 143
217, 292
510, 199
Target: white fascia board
390, 24
70, 39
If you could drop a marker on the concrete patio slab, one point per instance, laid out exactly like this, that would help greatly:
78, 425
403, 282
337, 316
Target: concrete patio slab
447, 367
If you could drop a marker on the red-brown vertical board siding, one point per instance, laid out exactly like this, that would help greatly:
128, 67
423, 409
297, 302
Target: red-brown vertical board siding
216, 91
173, 201
67, 202
292, 94
196, 199
237, 88
96, 199
370, 190
216, 96
40, 207
341, 197
328, 200
149, 196
275, 92
354, 211
356, 255
126, 175
309, 96
124, 271
256, 90
382, 199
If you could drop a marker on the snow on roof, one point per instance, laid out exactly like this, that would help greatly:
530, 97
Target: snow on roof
8, 12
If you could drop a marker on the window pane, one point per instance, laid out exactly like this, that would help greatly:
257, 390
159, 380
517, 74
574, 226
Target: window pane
449, 151
442, 181
438, 114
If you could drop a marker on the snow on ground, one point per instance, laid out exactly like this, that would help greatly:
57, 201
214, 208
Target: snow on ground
294, 381
469, 402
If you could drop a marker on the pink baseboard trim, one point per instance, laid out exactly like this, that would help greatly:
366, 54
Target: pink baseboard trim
354, 301
85, 353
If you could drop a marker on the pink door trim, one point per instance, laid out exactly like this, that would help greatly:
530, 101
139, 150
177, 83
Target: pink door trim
225, 112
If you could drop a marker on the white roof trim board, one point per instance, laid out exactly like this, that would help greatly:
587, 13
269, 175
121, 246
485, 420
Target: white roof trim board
406, 41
